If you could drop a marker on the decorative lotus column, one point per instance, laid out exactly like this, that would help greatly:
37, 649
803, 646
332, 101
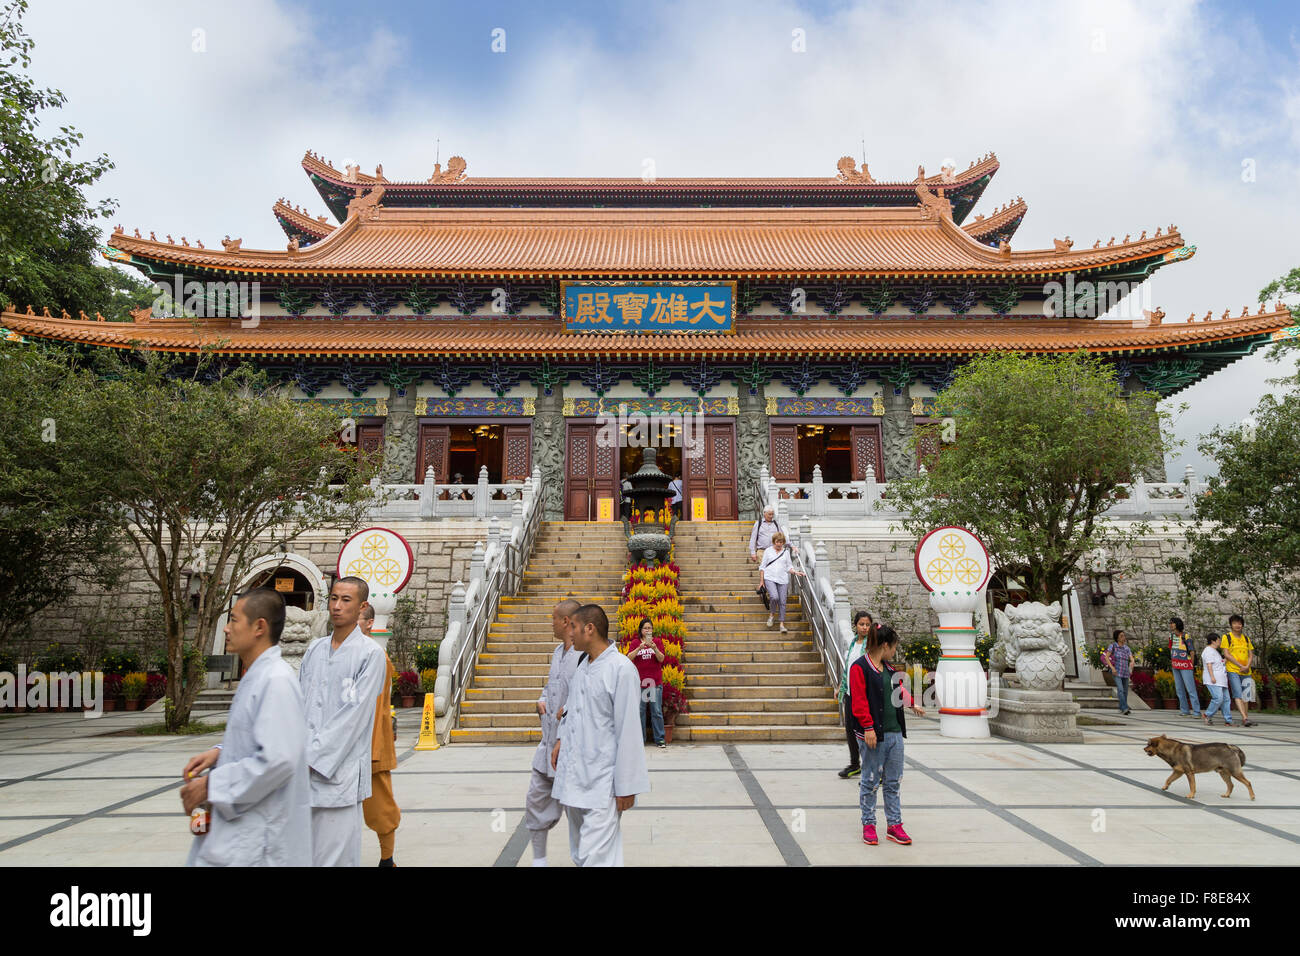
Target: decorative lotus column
384, 560
953, 566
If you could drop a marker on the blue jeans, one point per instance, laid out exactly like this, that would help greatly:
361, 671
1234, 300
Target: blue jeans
1121, 692
881, 766
1234, 685
1185, 685
1219, 700
655, 703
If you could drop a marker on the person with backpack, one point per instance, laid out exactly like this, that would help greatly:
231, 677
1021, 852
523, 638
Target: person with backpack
879, 695
1182, 661
761, 537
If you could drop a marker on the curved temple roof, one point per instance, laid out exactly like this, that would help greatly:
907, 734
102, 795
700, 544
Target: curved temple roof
920, 240
523, 338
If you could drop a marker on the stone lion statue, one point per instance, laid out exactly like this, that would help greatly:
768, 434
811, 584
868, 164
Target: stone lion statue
300, 628
1030, 639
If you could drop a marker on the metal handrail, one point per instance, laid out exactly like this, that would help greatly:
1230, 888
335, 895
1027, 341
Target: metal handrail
503, 565
821, 618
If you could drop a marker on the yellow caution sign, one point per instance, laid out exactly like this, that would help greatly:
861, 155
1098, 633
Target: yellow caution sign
428, 728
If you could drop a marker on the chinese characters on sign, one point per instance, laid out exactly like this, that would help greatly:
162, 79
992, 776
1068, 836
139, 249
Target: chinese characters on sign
648, 308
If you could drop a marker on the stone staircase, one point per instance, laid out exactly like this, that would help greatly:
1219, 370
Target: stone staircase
212, 701
1093, 696
744, 682
575, 559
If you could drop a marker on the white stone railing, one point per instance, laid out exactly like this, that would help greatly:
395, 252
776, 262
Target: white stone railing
428, 500
495, 570
870, 498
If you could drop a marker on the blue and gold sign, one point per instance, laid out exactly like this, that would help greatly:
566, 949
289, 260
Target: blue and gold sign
642, 307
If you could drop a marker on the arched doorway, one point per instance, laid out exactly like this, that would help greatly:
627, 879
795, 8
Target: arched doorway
305, 581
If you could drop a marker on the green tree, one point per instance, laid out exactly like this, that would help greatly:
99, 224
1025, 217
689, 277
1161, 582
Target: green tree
1043, 444
52, 536
202, 465
1246, 533
48, 237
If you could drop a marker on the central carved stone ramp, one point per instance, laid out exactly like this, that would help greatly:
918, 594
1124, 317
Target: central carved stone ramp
744, 682
571, 559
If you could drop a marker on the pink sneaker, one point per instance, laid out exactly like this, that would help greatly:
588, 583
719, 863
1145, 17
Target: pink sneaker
869, 835
898, 834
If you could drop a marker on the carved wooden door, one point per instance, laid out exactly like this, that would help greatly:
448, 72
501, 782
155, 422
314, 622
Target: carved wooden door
434, 448
517, 455
590, 473
864, 442
712, 473
784, 466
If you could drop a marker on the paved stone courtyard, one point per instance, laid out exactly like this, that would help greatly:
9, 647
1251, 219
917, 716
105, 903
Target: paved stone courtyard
72, 793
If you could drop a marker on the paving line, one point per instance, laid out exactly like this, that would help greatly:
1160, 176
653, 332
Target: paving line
1001, 812
82, 818
785, 842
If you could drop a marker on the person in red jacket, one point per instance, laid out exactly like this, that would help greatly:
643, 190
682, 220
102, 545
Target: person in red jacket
878, 696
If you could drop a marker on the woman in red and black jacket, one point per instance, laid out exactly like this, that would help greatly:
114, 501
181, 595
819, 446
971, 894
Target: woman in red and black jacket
878, 696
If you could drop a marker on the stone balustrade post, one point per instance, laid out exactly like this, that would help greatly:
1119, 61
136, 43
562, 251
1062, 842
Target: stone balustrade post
428, 494
481, 494
843, 624
476, 569
872, 492
818, 493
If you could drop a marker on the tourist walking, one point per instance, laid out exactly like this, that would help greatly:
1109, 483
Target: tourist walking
341, 675
675, 489
599, 759
760, 538
774, 575
647, 653
257, 785
862, 628
380, 809
1118, 659
879, 695
1214, 675
541, 810
1182, 661
1239, 655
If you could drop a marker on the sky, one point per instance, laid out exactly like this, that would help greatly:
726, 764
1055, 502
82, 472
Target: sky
1107, 117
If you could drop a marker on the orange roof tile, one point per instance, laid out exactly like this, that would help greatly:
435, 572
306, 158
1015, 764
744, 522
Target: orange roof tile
303, 222
808, 241
983, 225
528, 337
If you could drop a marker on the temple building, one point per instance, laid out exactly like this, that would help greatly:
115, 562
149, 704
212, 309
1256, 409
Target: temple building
795, 323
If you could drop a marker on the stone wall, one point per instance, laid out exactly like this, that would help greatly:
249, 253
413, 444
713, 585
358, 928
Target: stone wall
131, 616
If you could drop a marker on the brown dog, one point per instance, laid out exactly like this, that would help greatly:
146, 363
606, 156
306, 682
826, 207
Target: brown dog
1190, 759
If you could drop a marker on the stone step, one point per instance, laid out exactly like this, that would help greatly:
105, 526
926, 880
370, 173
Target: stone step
699, 669
720, 679
697, 691
698, 718
496, 735
695, 656
755, 705
758, 734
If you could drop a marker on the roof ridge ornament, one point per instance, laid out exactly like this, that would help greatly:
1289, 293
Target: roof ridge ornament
933, 203
849, 171
231, 245
366, 207
1062, 245
454, 172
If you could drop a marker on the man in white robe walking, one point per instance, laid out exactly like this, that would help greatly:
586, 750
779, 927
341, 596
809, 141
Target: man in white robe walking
341, 676
257, 781
599, 753
541, 809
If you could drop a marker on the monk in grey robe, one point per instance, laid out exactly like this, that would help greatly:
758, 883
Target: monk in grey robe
257, 781
541, 809
341, 677
599, 756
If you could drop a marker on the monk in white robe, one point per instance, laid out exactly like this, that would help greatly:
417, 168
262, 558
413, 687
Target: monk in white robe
257, 784
541, 809
599, 756
341, 676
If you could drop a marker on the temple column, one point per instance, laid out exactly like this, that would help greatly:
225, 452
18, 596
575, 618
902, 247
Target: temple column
548, 449
752, 440
400, 436
898, 426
